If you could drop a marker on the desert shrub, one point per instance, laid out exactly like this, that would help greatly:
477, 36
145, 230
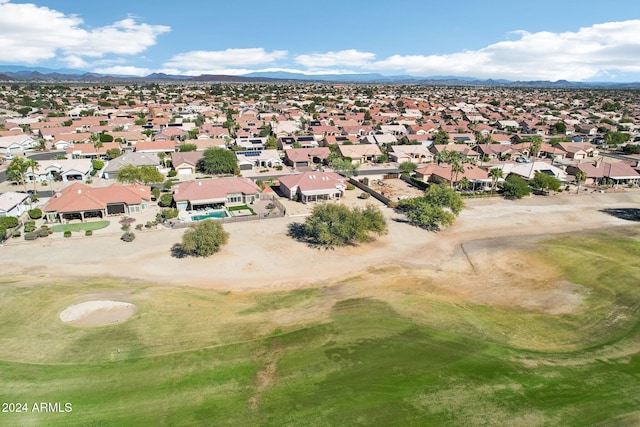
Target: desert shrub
67, 233
155, 193
165, 200
43, 232
16, 233
35, 213
29, 226
88, 233
9, 221
128, 236
97, 164
351, 187
139, 227
364, 195
170, 213
204, 238
3, 232
172, 173
150, 224
30, 235
125, 227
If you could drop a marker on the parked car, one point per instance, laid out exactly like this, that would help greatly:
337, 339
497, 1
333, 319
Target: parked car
9, 157
522, 160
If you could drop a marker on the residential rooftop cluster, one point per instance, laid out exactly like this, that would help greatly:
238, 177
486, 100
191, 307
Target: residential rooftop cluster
310, 138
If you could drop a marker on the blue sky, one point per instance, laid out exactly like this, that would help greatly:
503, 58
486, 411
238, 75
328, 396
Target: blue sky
541, 40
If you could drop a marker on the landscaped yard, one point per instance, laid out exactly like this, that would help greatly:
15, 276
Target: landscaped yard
242, 210
81, 226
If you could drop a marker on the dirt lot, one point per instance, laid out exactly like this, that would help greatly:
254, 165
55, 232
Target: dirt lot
260, 254
395, 189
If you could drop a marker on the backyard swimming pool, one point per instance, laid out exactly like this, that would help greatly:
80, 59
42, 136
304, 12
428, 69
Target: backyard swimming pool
213, 214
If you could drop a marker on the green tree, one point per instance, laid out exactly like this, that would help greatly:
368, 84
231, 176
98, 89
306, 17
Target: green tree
535, 145
17, 170
581, 178
464, 184
543, 182
187, 147
271, 144
344, 166
438, 208
632, 149
407, 167
112, 153
332, 225
131, 174
616, 138
23, 111
105, 137
204, 238
441, 137
218, 161
560, 127
32, 165
495, 174
514, 187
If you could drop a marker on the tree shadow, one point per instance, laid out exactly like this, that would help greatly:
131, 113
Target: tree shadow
177, 251
431, 227
296, 231
628, 214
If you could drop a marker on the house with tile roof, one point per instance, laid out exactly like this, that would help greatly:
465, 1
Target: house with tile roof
478, 177
13, 204
306, 157
360, 153
313, 186
134, 158
215, 193
60, 170
410, 153
596, 172
82, 202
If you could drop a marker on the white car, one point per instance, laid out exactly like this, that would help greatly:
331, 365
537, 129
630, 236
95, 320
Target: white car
9, 157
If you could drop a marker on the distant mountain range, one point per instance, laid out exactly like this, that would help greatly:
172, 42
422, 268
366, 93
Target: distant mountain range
10, 73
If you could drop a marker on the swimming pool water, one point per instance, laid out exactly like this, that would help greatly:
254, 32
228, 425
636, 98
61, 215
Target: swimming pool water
214, 214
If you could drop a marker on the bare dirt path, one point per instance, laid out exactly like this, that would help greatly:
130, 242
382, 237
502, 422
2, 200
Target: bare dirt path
260, 255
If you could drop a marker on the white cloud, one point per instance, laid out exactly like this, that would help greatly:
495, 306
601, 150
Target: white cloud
349, 57
125, 37
212, 62
590, 52
31, 33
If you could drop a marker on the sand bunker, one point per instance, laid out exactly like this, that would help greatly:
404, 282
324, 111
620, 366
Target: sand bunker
98, 313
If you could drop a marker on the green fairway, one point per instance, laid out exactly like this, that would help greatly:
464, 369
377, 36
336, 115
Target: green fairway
82, 226
344, 354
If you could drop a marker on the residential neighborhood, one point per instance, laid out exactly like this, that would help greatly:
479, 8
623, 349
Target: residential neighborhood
74, 148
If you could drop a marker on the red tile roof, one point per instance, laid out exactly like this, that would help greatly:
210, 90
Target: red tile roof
81, 197
204, 189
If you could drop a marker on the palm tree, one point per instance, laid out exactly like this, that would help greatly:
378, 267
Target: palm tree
495, 174
581, 177
535, 146
33, 165
456, 169
464, 183
16, 171
95, 139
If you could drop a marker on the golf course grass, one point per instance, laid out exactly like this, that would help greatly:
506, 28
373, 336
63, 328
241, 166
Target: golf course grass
349, 353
